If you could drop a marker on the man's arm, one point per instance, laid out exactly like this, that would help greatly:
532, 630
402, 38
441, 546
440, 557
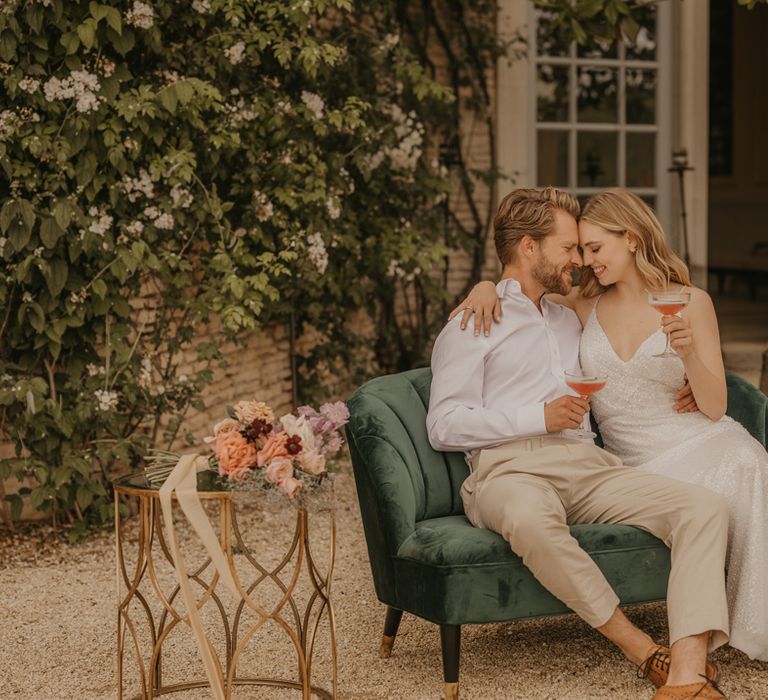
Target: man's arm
457, 419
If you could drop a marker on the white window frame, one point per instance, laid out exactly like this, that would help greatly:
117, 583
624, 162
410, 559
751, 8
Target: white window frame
662, 127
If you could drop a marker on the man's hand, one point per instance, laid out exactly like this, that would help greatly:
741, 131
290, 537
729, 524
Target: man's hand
564, 413
685, 401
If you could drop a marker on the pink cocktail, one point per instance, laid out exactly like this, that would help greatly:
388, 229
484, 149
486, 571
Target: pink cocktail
584, 385
668, 304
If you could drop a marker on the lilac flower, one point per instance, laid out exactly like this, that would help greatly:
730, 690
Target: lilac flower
337, 413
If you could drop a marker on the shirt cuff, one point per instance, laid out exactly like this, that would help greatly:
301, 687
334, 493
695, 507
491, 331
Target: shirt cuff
530, 420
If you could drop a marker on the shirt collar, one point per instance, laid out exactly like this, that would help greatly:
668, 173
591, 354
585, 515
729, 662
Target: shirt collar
510, 287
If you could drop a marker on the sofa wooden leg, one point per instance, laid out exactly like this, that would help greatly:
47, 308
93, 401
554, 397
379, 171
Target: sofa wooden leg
450, 641
391, 623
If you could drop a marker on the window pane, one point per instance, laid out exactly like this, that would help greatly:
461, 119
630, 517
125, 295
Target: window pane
552, 94
596, 158
650, 200
597, 95
550, 40
552, 158
641, 160
598, 49
641, 96
644, 45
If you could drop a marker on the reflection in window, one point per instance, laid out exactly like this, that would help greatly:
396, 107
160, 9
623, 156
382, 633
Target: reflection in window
552, 94
552, 158
597, 163
551, 40
644, 46
598, 95
641, 96
641, 159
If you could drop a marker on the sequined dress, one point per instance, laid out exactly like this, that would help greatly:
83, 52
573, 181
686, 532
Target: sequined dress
638, 424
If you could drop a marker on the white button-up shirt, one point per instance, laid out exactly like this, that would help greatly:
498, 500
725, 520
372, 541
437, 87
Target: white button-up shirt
491, 390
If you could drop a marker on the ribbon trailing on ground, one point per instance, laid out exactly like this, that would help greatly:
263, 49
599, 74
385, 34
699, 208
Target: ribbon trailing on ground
183, 481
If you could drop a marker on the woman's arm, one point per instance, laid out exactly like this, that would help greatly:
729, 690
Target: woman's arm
696, 339
484, 303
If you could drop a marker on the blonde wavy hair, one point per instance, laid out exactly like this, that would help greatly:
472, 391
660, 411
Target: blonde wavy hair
620, 211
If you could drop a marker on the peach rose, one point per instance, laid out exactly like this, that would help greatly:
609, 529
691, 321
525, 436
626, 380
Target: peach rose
291, 486
278, 469
223, 426
249, 411
273, 447
234, 453
312, 462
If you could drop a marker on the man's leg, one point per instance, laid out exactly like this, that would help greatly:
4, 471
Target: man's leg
692, 521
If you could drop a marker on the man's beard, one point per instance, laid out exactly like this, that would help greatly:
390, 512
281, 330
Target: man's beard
549, 277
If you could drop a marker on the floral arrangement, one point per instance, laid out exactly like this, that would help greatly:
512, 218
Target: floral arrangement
251, 448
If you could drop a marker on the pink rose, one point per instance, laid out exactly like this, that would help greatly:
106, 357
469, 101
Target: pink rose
223, 426
273, 447
312, 462
278, 469
291, 486
233, 453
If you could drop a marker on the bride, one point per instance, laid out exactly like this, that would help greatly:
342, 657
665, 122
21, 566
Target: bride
625, 255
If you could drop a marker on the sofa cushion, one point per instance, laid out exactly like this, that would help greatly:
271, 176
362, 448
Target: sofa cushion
454, 572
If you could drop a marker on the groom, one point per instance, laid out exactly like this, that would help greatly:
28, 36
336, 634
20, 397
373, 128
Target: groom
528, 482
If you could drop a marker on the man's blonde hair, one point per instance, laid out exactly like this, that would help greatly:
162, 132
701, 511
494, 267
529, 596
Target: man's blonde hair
620, 211
528, 212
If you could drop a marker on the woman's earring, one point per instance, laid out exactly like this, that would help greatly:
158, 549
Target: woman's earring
633, 250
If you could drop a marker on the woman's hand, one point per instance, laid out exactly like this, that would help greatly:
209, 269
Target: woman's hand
685, 401
680, 334
484, 303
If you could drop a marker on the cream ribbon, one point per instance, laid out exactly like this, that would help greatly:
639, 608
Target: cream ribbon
183, 481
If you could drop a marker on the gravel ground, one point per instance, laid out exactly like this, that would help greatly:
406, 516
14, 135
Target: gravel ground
57, 629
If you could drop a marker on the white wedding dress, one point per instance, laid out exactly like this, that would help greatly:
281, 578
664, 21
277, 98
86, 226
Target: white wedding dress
638, 424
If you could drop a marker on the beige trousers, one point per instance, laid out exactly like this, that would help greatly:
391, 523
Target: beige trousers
530, 491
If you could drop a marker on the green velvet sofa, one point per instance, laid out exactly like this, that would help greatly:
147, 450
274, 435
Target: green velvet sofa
427, 558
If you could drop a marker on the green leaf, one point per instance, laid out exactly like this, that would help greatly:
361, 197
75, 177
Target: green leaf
168, 99
99, 288
98, 12
122, 42
62, 212
7, 214
56, 277
114, 19
84, 496
37, 497
50, 232
71, 42
7, 45
87, 33
17, 505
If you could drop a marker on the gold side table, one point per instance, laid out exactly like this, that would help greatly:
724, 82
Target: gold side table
301, 625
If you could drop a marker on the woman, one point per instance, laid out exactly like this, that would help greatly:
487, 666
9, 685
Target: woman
625, 255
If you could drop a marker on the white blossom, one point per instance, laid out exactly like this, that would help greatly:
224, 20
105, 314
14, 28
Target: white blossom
235, 53
80, 85
145, 374
134, 187
151, 212
181, 196
140, 15
26, 298
332, 207
201, 6
264, 208
29, 85
317, 252
107, 67
135, 227
314, 103
95, 370
3, 241
164, 221
39, 252
390, 41
107, 399
102, 222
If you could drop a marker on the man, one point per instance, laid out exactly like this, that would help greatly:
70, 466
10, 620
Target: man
529, 482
